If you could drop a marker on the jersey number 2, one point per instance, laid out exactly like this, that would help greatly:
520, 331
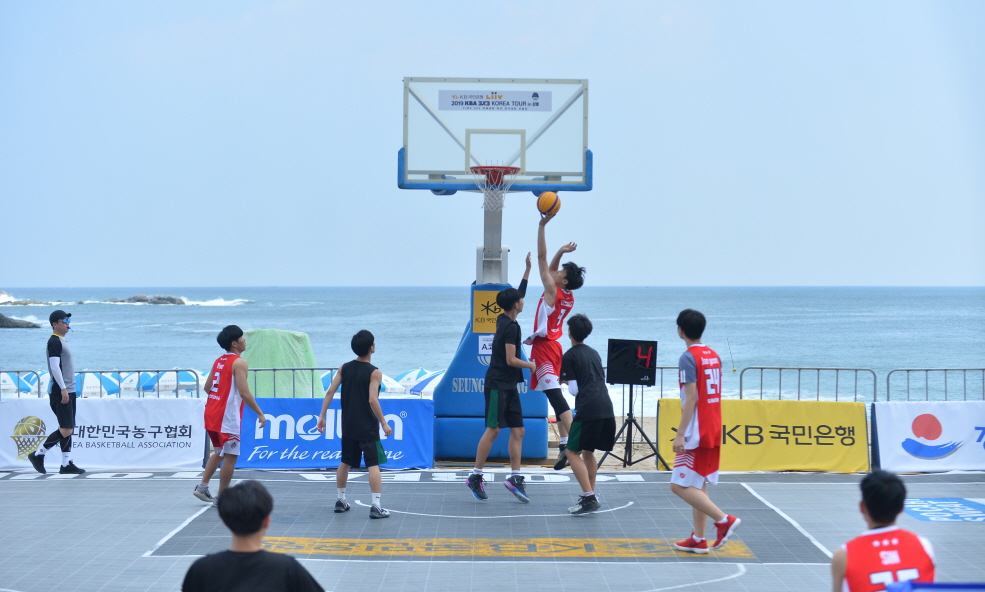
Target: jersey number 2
215, 383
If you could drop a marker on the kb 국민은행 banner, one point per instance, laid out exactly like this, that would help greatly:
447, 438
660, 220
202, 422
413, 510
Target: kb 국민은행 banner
290, 439
110, 433
922, 436
781, 435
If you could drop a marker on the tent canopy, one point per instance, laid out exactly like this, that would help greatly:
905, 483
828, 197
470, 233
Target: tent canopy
276, 348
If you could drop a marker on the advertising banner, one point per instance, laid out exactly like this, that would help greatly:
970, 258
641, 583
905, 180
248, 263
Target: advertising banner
290, 440
919, 436
492, 100
781, 435
110, 433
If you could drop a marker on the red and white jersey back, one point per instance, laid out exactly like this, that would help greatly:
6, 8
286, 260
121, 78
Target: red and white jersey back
549, 320
705, 429
224, 407
885, 555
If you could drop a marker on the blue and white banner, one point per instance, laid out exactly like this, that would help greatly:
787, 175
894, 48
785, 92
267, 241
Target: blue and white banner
290, 440
923, 436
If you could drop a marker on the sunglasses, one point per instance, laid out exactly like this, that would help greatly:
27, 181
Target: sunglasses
66, 321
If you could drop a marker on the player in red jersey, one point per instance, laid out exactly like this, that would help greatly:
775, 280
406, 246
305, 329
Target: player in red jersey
554, 306
885, 553
227, 392
699, 436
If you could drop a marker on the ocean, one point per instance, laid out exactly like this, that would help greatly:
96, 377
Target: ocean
878, 328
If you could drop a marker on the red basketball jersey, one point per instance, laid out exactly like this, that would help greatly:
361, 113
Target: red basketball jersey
224, 407
549, 322
885, 555
707, 419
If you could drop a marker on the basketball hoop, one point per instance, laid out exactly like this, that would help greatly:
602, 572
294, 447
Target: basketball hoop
494, 182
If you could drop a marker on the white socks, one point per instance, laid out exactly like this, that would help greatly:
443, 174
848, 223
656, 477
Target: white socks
564, 440
40, 451
587, 493
699, 539
341, 493
376, 500
476, 471
723, 520
514, 471
66, 459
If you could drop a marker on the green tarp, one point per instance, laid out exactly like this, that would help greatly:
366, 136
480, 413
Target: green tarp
275, 348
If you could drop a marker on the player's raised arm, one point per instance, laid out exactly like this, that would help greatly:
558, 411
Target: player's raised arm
374, 400
329, 395
239, 373
546, 275
556, 261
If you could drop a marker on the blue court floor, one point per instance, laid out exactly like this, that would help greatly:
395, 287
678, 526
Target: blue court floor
141, 530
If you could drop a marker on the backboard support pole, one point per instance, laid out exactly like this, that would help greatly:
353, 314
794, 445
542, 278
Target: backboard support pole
492, 258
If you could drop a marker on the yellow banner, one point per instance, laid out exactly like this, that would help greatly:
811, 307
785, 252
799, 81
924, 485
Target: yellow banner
781, 435
484, 311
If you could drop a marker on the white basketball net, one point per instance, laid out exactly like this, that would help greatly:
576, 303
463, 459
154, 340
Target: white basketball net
494, 183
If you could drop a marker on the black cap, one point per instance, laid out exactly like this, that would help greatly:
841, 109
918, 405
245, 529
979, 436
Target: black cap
58, 315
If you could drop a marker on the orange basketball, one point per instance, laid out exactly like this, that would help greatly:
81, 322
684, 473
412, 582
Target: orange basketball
549, 203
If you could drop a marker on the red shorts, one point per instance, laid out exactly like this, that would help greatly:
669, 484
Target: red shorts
695, 467
547, 355
223, 443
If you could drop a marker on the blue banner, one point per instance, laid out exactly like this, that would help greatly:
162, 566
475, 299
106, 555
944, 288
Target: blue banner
290, 440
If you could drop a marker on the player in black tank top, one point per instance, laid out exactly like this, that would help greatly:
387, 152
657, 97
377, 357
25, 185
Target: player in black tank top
362, 419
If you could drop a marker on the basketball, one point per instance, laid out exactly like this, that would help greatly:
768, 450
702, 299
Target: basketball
549, 203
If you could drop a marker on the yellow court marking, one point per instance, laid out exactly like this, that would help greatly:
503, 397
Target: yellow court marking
541, 548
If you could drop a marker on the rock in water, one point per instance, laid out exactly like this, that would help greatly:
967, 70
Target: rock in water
142, 299
9, 323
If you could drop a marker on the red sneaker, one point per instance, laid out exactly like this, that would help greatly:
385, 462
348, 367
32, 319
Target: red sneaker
725, 530
692, 546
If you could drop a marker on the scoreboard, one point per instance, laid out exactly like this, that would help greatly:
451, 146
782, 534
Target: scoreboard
632, 361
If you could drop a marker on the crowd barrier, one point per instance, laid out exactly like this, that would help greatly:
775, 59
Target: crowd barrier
781, 435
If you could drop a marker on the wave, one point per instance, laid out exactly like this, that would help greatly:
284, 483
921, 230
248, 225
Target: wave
5, 297
29, 318
215, 302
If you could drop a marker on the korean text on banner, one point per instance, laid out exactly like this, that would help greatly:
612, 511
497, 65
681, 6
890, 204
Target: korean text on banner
781, 435
290, 439
922, 436
109, 433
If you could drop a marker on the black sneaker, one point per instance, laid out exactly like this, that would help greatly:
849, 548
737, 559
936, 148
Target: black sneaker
37, 462
585, 505
515, 484
341, 506
378, 512
71, 469
562, 458
478, 489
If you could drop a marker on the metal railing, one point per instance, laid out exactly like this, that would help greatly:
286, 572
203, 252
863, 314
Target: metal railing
310, 381
978, 375
16, 389
115, 382
817, 383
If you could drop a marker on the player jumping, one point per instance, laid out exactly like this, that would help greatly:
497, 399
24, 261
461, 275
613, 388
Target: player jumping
554, 306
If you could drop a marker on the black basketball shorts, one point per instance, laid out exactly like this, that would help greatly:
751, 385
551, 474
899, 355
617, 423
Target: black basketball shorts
594, 434
65, 413
503, 408
355, 451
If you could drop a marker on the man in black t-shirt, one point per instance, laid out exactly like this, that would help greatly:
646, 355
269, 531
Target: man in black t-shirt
245, 508
502, 397
362, 418
594, 424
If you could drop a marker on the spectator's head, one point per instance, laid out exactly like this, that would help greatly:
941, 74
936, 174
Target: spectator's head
570, 276
691, 324
508, 299
245, 508
230, 335
579, 328
883, 496
59, 321
363, 343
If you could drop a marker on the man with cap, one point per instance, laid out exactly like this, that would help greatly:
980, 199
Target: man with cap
61, 395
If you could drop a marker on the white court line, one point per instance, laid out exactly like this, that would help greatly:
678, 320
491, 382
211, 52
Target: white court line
742, 570
176, 531
810, 537
490, 517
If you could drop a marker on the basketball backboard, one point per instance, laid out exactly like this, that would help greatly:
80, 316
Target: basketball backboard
452, 124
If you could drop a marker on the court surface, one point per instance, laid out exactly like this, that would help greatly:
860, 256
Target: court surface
141, 531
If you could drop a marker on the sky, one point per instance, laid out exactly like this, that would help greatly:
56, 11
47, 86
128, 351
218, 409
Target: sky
255, 143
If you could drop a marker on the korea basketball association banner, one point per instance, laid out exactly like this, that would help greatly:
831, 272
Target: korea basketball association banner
110, 433
781, 435
923, 436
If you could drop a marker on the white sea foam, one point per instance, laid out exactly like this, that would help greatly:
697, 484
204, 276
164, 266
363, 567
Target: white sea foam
29, 318
215, 302
5, 297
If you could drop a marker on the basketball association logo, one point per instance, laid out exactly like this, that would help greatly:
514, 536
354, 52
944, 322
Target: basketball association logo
28, 435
